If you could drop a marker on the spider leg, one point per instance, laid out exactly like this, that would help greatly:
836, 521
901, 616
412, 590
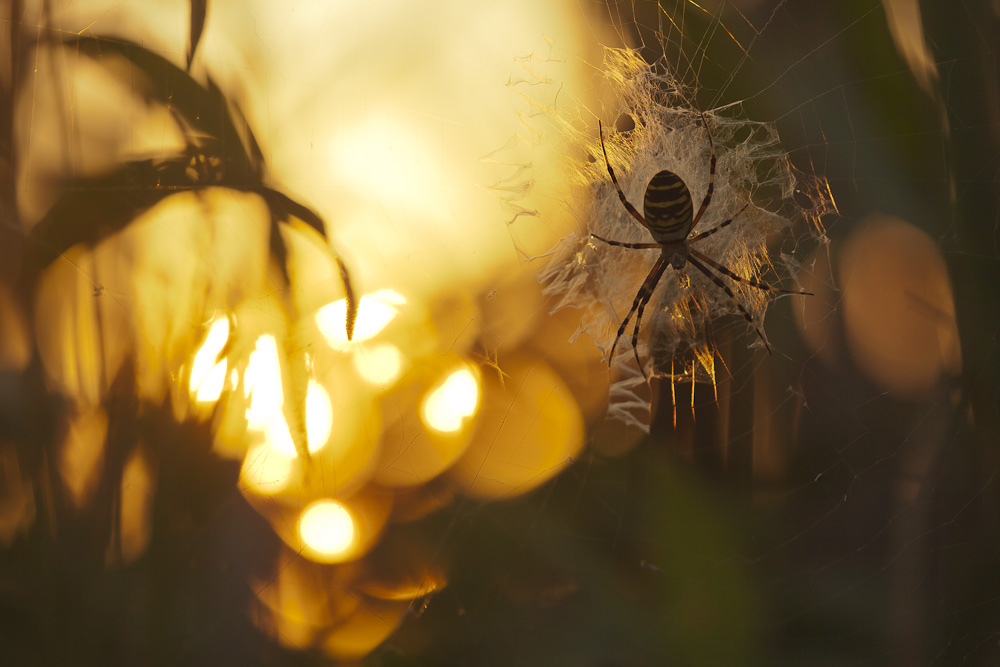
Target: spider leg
648, 285
725, 223
638, 320
641, 246
749, 281
711, 173
723, 286
621, 195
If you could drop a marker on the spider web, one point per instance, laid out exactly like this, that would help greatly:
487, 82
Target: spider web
664, 132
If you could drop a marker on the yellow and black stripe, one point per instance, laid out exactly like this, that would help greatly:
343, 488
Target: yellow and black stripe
667, 207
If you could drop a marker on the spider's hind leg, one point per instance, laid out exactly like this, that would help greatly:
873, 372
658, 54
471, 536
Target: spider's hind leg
693, 261
635, 331
753, 282
643, 296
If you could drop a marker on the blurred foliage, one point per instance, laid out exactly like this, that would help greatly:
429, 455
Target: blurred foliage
218, 154
60, 602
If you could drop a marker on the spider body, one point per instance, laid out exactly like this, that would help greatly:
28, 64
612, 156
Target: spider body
669, 217
667, 208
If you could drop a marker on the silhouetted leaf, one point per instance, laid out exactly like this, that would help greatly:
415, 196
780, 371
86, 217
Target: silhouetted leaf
203, 108
13, 68
98, 207
282, 207
218, 154
199, 8
256, 155
352, 301
295, 381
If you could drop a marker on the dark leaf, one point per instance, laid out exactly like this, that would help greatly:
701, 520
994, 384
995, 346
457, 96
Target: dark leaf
11, 71
352, 302
223, 156
256, 155
278, 251
199, 8
203, 108
96, 208
282, 207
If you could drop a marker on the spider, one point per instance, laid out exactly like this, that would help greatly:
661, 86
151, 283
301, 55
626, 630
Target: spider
669, 218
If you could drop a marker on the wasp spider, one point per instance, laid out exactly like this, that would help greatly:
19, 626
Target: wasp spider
669, 217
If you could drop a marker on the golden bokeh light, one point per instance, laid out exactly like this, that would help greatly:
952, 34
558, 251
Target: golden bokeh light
529, 430
898, 307
413, 455
399, 187
319, 416
302, 599
139, 296
204, 369
817, 316
375, 311
447, 407
262, 385
82, 455
319, 424
212, 384
138, 486
327, 530
266, 471
379, 364
369, 625
320, 527
389, 577
17, 499
341, 429
67, 322
442, 390
580, 363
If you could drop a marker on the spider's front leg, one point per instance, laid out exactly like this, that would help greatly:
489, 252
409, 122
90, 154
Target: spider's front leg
634, 246
693, 261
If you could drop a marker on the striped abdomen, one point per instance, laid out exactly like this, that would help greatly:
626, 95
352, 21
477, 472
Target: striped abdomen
667, 208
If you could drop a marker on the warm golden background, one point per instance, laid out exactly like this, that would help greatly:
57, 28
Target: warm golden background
198, 465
